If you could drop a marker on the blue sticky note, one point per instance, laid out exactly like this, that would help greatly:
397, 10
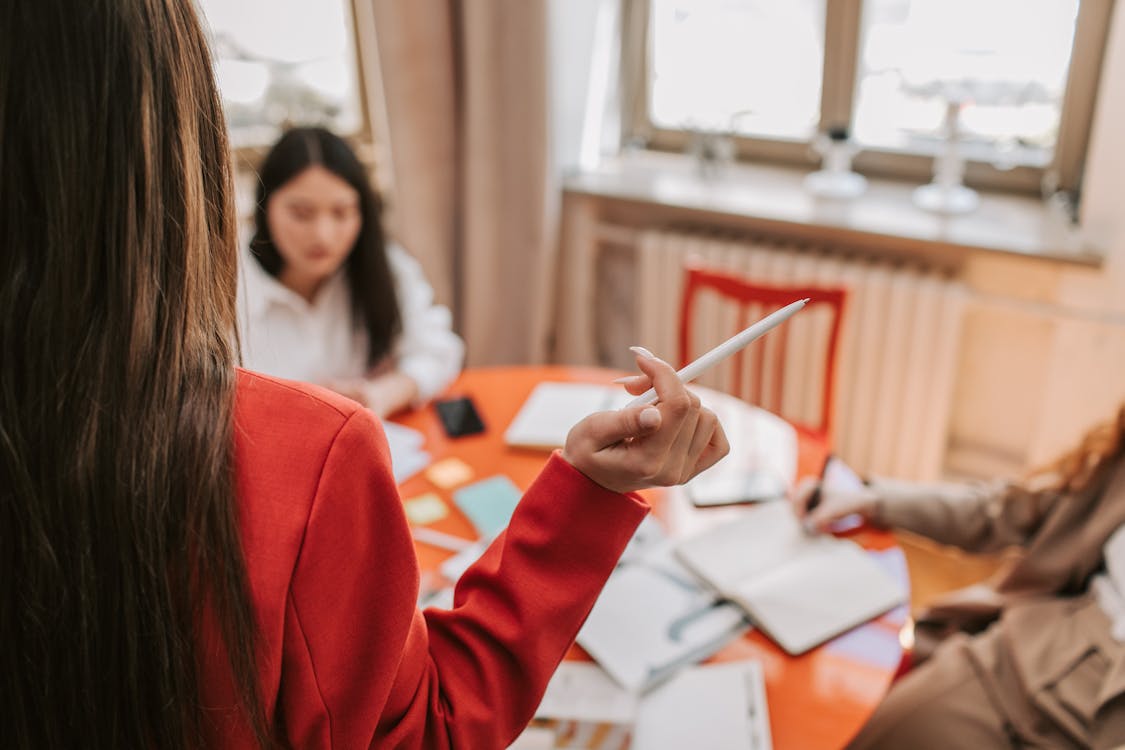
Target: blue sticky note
488, 503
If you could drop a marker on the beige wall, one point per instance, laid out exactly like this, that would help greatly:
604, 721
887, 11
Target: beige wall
1044, 348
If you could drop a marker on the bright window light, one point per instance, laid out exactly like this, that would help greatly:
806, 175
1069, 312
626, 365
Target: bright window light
1005, 61
751, 67
284, 62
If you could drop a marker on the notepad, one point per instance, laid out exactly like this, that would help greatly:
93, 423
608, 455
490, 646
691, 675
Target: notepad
653, 617
715, 706
800, 590
551, 409
488, 503
425, 509
449, 472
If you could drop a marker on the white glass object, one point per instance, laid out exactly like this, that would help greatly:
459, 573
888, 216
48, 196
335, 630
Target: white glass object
835, 179
947, 194
713, 151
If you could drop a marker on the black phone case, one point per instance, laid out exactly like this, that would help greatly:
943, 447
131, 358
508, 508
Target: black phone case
459, 417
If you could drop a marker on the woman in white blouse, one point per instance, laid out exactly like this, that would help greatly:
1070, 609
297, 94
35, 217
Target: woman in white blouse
324, 297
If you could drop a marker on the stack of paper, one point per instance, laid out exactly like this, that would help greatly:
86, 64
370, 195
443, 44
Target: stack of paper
407, 456
653, 617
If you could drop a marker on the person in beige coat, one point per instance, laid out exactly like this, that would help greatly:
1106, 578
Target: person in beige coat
1028, 659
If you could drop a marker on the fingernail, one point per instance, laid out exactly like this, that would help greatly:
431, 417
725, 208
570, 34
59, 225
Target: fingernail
649, 418
642, 352
624, 379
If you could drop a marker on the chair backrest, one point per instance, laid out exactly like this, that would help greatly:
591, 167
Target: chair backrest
791, 371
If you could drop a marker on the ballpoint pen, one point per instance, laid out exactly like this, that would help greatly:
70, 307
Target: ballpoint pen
727, 348
814, 498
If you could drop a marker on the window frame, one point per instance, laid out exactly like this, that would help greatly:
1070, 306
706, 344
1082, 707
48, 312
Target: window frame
842, 28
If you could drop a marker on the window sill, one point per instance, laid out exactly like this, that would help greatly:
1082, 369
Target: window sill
772, 200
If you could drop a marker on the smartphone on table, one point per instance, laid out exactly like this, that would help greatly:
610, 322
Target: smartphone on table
459, 416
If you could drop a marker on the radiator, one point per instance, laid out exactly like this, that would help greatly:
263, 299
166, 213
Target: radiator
898, 346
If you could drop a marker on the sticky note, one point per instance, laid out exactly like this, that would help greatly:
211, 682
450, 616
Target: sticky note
425, 509
488, 503
449, 472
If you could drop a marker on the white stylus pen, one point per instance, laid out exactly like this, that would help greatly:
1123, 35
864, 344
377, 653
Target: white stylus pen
725, 349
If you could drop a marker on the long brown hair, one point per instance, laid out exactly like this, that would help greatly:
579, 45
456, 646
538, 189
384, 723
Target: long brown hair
1098, 450
118, 524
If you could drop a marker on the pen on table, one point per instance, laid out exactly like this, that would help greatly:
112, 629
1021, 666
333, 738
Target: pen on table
814, 498
727, 348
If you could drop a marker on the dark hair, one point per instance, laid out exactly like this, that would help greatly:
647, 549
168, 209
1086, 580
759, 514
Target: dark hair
118, 522
374, 299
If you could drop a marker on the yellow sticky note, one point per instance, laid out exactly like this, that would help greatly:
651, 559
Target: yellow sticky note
426, 509
449, 472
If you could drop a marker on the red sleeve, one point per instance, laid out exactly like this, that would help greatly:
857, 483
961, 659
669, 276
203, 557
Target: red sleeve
363, 666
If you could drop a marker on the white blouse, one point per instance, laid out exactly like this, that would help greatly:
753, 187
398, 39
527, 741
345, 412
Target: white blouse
285, 336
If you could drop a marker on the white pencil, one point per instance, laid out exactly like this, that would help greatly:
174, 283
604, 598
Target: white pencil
725, 349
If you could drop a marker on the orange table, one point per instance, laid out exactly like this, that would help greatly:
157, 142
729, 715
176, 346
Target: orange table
817, 700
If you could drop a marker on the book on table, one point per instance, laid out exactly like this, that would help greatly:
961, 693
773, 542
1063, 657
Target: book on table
653, 617
801, 590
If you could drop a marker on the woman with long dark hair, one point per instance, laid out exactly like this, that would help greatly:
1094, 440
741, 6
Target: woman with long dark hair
1035, 657
325, 298
195, 555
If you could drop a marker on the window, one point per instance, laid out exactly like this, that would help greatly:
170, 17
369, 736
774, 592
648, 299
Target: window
1022, 75
285, 62
705, 53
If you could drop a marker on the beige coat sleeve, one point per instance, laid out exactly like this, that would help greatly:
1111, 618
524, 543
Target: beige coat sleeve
977, 517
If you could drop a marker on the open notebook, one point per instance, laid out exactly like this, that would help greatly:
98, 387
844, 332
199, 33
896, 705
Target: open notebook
800, 590
553, 408
653, 617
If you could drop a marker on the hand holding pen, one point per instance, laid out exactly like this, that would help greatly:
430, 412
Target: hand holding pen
819, 506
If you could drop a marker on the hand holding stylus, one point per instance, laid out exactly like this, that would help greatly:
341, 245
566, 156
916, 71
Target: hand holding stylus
645, 446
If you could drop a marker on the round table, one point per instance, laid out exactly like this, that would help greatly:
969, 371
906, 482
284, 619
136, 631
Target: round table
816, 700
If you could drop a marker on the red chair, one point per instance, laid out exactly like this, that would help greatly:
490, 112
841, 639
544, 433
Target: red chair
758, 374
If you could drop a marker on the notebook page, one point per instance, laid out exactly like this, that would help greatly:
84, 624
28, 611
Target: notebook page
759, 539
716, 706
818, 595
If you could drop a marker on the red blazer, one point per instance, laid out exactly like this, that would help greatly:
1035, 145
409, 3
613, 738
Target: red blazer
346, 659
